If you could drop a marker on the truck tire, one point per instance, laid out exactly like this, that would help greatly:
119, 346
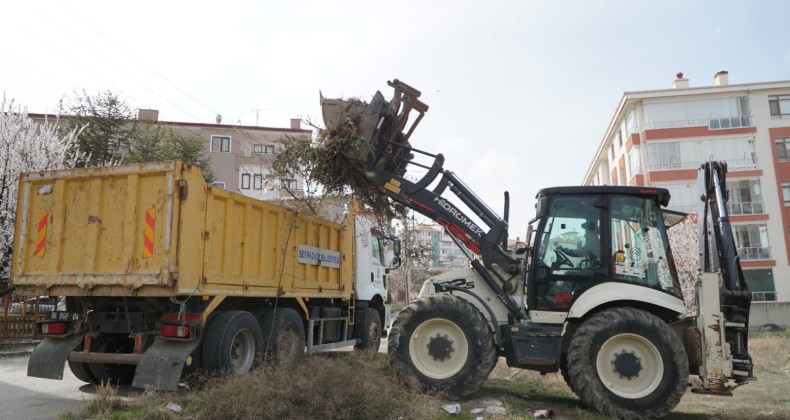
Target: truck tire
283, 336
114, 374
628, 363
233, 342
564, 371
445, 343
82, 372
369, 330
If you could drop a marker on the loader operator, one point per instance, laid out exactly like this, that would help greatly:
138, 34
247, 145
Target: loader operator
591, 249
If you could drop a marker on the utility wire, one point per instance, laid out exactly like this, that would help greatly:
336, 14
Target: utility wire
86, 23
117, 67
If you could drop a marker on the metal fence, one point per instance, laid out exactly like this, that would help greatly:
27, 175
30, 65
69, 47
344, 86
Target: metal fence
15, 327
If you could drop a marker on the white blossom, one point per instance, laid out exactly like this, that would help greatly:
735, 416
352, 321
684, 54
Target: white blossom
26, 145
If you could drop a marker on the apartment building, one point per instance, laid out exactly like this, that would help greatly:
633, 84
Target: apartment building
241, 154
445, 252
659, 138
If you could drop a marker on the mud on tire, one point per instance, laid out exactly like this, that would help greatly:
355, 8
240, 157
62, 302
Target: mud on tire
628, 364
443, 342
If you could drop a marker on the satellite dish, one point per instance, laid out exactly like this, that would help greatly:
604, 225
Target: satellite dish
218, 119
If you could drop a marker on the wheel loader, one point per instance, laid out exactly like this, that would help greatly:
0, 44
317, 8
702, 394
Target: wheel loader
593, 293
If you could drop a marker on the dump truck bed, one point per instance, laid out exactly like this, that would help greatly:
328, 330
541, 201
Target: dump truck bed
158, 229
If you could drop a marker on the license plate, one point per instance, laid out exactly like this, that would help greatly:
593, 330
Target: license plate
65, 316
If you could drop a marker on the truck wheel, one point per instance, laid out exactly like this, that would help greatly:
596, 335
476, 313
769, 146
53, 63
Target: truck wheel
628, 363
445, 343
115, 374
283, 335
369, 331
81, 372
233, 342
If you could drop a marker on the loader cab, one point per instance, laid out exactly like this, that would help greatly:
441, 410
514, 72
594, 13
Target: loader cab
584, 236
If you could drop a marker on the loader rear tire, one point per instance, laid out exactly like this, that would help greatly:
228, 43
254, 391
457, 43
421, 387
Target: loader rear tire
445, 343
369, 331
283, 336
628, 363
233, 342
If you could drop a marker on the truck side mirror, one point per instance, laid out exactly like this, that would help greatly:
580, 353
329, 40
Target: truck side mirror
396, 249
395, 263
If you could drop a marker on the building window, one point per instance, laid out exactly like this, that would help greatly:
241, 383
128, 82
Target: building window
245, 181
786, 192
290, 184
782, 149
745, 197
269, 149
612, 151
752, 242
257, 182
220, 144
258, 149
218, 184
780, 106
761, 284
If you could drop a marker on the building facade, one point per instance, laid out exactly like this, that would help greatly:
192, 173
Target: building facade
241, 156
660, 137
445, 253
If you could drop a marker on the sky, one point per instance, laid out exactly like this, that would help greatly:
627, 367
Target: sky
520, 92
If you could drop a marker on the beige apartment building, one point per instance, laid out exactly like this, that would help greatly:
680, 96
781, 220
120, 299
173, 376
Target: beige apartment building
660, 137
241, 154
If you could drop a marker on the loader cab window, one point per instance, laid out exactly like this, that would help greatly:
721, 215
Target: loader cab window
640, 244
569, 254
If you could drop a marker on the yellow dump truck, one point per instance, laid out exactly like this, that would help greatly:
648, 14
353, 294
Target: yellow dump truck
163, 274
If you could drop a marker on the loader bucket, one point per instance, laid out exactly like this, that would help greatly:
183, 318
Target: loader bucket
379, 123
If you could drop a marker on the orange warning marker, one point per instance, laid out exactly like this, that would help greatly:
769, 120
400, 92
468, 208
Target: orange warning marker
148, 240
41, 237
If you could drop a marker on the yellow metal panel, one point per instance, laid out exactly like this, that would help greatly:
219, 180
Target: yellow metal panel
205, 241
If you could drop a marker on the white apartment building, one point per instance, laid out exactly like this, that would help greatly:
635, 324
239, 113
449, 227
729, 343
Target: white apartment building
660, 137
445, 252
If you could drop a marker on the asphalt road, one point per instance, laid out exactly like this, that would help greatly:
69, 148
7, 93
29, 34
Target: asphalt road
23, 397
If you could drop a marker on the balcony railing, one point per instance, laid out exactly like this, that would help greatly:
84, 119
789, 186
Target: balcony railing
732, 165
763, 296
754, 253
712, 123
731, 122
746, 208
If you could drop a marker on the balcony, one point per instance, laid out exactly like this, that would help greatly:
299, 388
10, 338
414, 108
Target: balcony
732, 165
746, 208
712, 123
731, 122
763, 296
754, 253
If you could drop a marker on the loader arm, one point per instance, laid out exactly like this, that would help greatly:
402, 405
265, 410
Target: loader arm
383, 124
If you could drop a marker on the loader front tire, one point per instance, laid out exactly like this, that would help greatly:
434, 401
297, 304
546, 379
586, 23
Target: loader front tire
628, 363
443, 342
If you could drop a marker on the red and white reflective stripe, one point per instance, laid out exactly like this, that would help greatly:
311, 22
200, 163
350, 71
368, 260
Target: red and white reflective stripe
148, 236
41, 234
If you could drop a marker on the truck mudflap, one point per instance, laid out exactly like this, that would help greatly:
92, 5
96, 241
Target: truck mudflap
161, 365
49, 357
